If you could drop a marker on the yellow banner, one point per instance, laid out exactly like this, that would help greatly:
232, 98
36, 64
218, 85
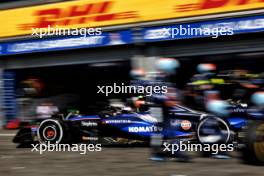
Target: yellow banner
99, 13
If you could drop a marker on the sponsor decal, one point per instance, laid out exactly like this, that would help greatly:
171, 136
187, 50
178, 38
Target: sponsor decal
65, 43
144, 129
175, 122
88, 124
77, 14
117, 121
214, 4
186, 125
239, 110
158, 33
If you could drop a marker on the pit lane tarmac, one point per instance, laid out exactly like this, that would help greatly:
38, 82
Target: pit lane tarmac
110, 162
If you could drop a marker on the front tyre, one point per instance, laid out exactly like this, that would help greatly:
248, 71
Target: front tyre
53, 131
253, 152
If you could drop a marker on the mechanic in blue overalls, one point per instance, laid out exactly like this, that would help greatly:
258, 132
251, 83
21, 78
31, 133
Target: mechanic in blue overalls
162, 103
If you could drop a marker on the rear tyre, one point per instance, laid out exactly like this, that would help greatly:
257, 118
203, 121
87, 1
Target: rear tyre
53, 131
253, 152
214, 130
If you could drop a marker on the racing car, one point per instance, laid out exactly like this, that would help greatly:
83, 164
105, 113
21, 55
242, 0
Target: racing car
123, 123
114, 122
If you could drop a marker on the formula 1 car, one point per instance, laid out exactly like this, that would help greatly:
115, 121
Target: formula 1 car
185, 124
113, 122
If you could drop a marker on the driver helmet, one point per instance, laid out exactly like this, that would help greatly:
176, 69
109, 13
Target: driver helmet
139, 102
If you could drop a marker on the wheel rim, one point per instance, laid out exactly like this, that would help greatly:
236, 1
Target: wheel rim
50, 130
213, 130
49, 133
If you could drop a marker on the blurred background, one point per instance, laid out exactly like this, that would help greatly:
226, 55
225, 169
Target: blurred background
57, 73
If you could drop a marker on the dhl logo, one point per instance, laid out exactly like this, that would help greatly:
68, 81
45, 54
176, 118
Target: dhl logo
77, 14
212, 4
112, 12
